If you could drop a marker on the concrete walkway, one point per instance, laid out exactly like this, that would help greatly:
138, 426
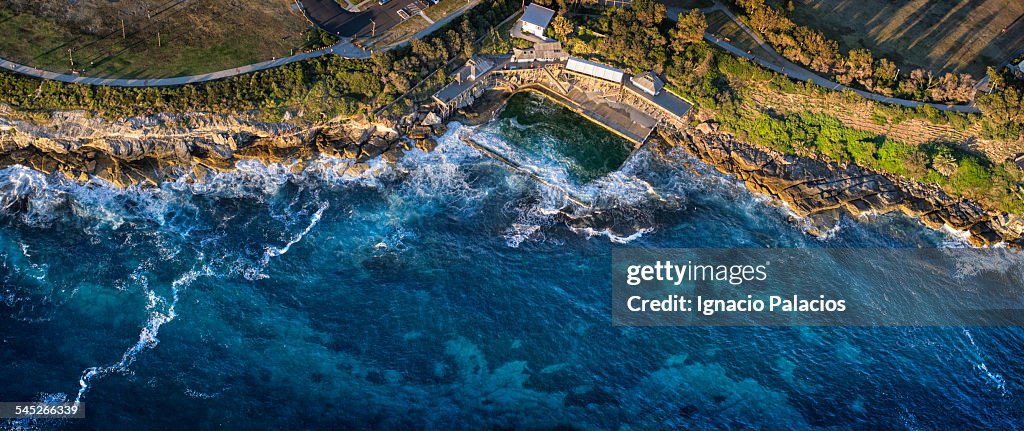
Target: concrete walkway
781, 65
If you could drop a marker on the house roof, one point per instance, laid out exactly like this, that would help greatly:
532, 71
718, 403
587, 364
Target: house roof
538, 15
597, 70
648, 81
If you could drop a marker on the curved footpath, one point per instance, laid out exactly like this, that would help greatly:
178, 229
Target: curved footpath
343, 49
797, 72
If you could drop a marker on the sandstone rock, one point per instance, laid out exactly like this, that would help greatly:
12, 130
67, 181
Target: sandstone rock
813, 187
352, 151
426, 145
373, 147
431, 119
356, 169
50, 146
393, 154
707, 128
419, 132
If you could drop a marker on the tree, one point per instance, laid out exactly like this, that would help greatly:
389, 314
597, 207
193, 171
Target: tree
750, 5
860, 63
468, 34
562, 26
690, 27
944, 163
995, 79
768, 20
953, 87
649, 12
885, 70
916, 82
1003, 107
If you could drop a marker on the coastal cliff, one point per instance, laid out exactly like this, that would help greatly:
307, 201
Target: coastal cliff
153, 149
822, 190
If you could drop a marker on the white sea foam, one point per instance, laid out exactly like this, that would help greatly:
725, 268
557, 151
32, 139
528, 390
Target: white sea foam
518, 233
993, 379
271, 252
589, 232
955, 238
161, 310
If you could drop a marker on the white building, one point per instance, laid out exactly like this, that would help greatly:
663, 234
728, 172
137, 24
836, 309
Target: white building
536, 19
648, 82
596, 70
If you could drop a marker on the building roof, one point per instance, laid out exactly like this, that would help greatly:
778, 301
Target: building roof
537, 15
475, 67
596, 70
543, 51
648, 81
464, 78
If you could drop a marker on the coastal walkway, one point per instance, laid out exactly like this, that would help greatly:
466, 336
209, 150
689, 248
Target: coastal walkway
776, 63
343, 48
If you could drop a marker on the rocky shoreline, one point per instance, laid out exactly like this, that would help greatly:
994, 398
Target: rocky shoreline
150, 150
822, 190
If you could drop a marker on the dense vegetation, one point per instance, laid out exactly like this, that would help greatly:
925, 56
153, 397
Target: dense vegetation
319, 88
811, 48
1004, 106
721, 85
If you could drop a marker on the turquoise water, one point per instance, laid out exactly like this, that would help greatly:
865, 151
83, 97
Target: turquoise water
444, 293
542, 130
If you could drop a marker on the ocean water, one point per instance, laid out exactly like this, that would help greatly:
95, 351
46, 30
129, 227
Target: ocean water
447, 292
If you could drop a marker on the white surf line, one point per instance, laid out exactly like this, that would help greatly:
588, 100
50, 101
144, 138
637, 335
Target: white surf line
517, 168
148, 336
278, 251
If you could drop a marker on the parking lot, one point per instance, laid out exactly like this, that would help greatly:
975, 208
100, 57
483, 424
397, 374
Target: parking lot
376, 18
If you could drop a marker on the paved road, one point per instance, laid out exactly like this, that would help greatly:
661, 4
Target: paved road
330, 16
779, 64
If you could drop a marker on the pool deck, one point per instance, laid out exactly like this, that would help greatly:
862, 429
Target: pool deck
623, 108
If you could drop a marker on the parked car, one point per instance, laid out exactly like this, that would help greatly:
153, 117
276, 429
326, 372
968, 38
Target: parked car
383, 2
